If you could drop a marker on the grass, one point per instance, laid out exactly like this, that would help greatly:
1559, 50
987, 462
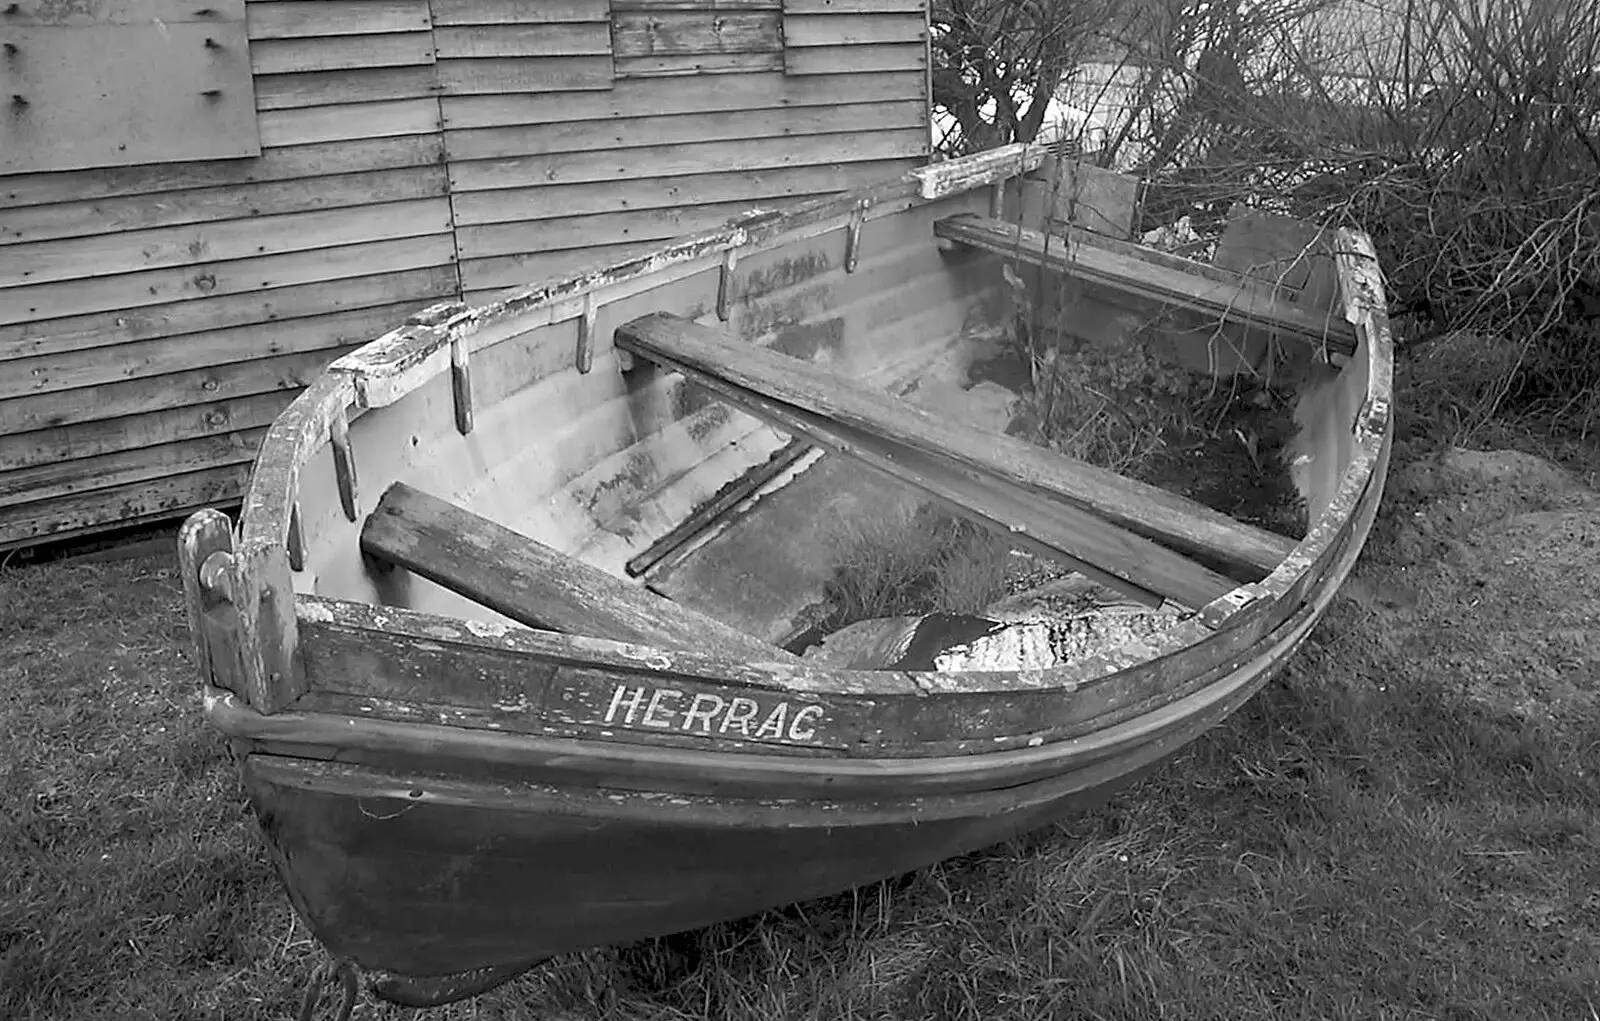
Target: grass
1362, 841
923, 561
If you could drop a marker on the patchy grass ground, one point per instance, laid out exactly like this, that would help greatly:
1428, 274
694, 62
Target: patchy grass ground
1406, 825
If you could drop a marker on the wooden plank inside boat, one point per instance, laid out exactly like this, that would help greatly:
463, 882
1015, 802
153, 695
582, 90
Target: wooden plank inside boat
1093, 520
534, 584
1171, 281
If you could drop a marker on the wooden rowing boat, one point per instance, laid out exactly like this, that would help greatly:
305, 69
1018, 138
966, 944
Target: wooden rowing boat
476, 734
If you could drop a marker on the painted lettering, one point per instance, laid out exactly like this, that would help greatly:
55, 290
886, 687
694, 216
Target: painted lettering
709, 714
624, 696
772, 726
650, 718
703, 710
741, 713
800, 732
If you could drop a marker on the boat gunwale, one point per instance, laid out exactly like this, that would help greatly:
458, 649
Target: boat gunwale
747, 771
421, 349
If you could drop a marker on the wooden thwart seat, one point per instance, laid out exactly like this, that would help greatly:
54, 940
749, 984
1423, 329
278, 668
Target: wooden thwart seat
1170, 280
1118, 530
536, 585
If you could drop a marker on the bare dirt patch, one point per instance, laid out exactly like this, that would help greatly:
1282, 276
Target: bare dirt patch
1486, 568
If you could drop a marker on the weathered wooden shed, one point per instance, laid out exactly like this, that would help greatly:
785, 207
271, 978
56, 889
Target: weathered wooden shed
202, 202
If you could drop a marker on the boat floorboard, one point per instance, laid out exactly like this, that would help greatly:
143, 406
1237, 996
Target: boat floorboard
765, 570
766, 565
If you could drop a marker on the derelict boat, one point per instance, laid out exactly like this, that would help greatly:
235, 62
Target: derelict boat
500, 649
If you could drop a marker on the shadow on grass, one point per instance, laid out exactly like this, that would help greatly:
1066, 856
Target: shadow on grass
1327, 854
1359, 842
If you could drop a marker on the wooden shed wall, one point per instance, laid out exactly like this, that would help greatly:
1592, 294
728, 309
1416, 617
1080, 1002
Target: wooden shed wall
155, 318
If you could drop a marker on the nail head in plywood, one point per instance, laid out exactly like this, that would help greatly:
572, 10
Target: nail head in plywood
585, 355
725, 284
461, 384
344, 464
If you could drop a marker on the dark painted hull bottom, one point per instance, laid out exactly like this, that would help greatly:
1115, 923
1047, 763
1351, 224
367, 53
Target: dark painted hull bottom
430, 915
448, 886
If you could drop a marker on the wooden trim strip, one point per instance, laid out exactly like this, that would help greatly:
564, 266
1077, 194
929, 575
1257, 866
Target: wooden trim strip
585, 354
726, 284
461, 386
708, 513
344, 465
852, 245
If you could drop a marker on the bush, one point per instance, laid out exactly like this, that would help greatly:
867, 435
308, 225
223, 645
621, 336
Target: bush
1464, 137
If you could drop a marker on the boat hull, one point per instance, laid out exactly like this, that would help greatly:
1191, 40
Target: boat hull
430, 875
472, 880
472, 745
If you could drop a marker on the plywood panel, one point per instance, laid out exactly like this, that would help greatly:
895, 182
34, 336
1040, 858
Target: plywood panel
342, 156
641, 99
215, 315
227, 202
1067, 192
758, 187
297, 19
120, 94
55, 14
678, 129
669, 160
154, 287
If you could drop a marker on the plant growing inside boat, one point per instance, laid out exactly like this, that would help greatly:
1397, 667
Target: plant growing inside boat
925, 560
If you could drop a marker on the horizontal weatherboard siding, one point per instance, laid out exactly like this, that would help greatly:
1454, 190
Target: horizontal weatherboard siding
156, 317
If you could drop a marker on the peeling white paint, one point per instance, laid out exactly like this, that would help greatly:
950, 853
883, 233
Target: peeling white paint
313, 611
487, 629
